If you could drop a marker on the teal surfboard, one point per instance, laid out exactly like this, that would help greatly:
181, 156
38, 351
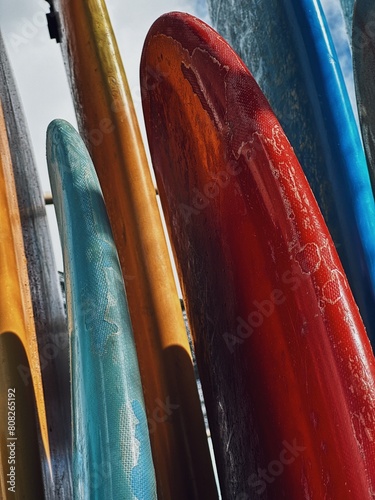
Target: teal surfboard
111, 448
48, 309
289, 50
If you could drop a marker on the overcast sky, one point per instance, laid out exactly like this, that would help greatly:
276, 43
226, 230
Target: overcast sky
38, 68
40, 75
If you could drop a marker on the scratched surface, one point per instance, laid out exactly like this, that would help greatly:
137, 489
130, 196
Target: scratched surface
46, 296
288, 48
282, 352
363, 45
109, 127
23, 423
111, 446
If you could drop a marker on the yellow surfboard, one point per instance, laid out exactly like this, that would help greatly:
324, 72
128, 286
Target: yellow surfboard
23, 428
109, 126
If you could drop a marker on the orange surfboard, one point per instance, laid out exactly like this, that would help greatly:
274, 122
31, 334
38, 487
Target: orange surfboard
109, 127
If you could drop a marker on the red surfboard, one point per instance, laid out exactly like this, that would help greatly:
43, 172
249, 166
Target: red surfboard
286, 366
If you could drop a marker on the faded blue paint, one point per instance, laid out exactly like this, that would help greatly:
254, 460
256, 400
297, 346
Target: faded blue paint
288, 48
110, 440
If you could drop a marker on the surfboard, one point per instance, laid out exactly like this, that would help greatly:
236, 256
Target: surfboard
108, 125
22, 409
111, 445
363, 63
47, 305
288, 48
286, 367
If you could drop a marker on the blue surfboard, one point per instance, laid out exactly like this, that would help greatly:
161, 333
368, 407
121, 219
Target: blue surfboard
289, 50
111, 447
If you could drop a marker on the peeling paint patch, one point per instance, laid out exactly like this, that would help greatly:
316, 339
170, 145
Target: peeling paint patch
309, 258
332, 290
